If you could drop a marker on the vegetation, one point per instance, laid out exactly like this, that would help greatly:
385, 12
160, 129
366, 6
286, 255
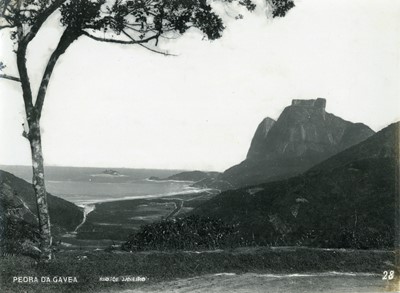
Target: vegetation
116, 220
189, 233
342, 208
193, 176
19, 233
17, 237
348, 201
163, 266
64, 214
128, 22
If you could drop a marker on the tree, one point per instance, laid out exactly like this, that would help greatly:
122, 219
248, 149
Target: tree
128, 22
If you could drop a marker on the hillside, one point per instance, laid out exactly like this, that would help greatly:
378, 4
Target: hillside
348, 200
18, 210
304, 135
193, 176
200, 179
384, 144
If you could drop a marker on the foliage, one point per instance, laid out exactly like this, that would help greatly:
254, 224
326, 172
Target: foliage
165, 266
352, 206
65, 215
18, 236
193, 232
281, 7
141, 20
114, 21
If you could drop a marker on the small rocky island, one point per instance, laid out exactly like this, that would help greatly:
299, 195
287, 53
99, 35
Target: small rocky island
111, 172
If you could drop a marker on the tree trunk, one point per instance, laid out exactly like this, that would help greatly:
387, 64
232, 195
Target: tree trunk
40, 190
33, 113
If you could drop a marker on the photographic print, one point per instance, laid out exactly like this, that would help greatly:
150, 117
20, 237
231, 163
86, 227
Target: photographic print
199, 146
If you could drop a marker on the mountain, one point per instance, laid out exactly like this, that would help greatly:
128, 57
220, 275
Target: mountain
259, 139
304, 135
348, 200
189, 176
200, 179
382, 145
193, 176
213, 183
18, 220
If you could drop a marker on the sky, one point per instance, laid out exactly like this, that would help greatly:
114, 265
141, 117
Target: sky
123, 106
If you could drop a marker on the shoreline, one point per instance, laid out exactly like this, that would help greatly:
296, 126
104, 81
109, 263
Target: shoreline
150, 196
115, 220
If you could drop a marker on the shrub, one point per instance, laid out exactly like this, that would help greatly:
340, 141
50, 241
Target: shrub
193, 232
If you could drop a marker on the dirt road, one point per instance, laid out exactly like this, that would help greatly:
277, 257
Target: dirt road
178, 207
331, 282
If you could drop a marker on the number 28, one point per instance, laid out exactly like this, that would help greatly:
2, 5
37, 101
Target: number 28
388, 275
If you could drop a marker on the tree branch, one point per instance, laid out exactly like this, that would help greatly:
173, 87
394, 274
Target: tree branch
41, 18
150, 49
7, 26
21, 56
132, 42
25, 83
108, 40
156, 51
67, 38
10, 77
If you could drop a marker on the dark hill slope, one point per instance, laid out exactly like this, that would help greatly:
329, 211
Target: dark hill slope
348, 200
304, 135
384, 144
17, 194
192, 176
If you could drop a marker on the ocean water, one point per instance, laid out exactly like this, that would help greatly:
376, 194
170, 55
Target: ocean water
89, 185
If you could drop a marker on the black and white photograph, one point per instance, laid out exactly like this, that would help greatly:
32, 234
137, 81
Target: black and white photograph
199, 146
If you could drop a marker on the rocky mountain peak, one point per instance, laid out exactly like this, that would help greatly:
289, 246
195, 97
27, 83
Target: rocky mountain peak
317, 103
303, 135
258, 141
266, 125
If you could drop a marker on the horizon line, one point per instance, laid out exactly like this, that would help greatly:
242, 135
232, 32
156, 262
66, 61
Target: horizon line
102, 167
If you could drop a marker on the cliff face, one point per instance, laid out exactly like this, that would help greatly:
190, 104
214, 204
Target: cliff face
304, 135
348, 200
259, 139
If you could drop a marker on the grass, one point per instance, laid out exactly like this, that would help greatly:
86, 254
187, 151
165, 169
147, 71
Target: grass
116, 220
155, 266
